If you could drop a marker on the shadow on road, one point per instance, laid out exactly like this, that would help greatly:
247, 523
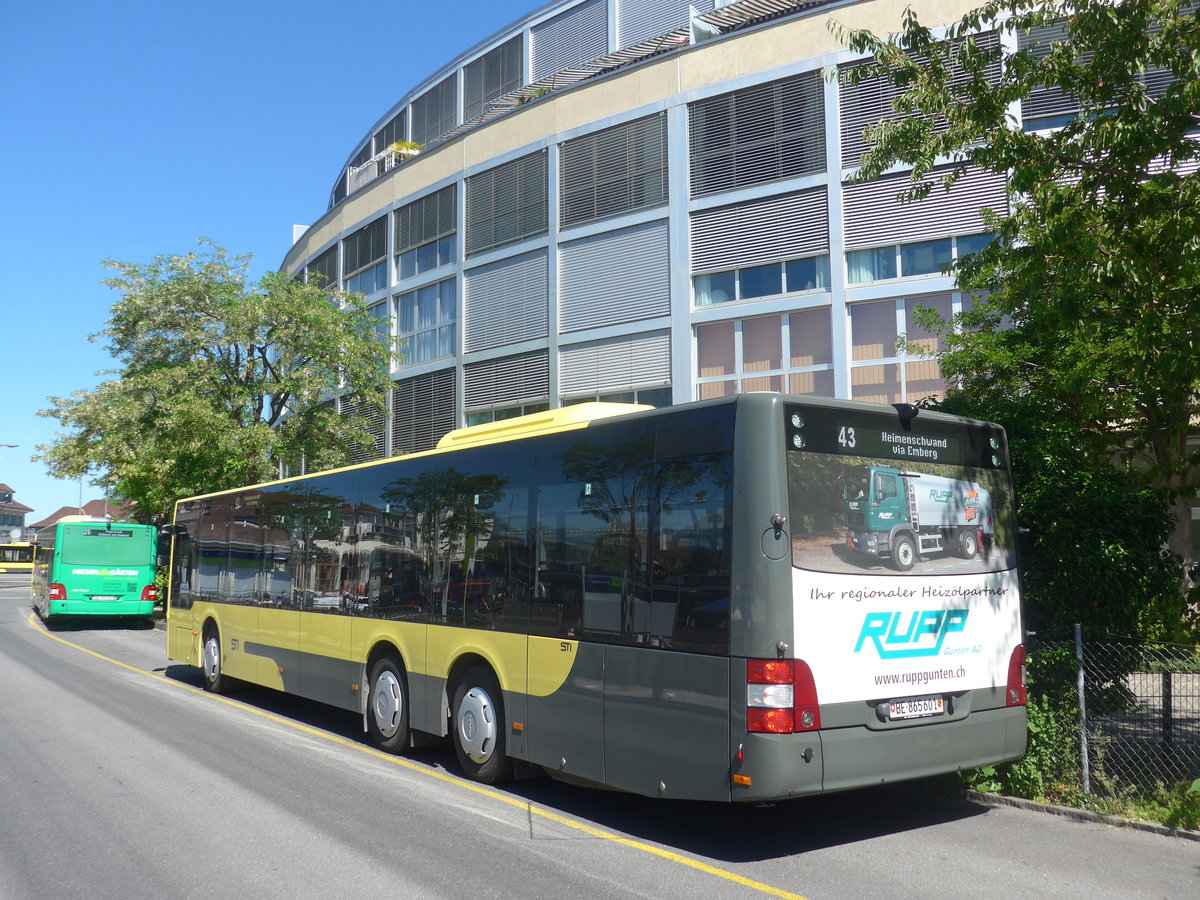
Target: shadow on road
60, 624
728, 832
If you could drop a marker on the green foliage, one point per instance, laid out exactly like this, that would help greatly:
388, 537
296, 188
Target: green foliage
1049, 771
1096, 275
1094, 551
218, 380
1184, 812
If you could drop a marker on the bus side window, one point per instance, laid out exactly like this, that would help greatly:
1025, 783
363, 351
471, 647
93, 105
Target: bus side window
691, 572
593, 504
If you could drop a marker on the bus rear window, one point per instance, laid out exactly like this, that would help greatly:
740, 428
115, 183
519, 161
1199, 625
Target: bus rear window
868, 496
105, 547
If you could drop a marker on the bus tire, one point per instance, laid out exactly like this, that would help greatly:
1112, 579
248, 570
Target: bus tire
968, 543
904, 553
210, 660
479, 728
387, 706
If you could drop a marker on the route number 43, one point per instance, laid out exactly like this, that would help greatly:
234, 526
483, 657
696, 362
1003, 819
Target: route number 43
846, 439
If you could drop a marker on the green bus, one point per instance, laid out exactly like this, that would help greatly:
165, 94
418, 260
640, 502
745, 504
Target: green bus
660, 601
94, 567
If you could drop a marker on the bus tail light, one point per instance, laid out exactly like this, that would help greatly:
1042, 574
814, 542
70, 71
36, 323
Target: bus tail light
150, 593
1015, 694
781, 697
58, 592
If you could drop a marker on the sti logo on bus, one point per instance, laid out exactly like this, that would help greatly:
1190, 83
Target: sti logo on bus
920, 635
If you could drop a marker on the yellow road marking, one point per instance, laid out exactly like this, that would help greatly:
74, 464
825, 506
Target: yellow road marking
454, 780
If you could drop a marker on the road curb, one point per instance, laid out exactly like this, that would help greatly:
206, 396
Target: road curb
1082, 815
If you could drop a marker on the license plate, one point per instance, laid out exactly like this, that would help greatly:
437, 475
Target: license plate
103, 597
916, 707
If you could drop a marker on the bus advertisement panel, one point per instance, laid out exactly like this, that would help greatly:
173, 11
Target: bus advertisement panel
85, 567
743, 599
904, 575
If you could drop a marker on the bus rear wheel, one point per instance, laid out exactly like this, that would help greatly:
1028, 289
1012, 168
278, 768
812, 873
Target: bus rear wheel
478, 720
210, 661
387, 706
904, 553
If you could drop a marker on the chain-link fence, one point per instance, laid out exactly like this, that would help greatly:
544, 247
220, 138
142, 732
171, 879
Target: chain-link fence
1138, 706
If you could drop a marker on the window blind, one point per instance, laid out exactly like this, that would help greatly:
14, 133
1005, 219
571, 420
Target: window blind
763, 133
761, 231
614, 171
620, 276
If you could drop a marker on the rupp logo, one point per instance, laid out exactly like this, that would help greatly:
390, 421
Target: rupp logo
921, 635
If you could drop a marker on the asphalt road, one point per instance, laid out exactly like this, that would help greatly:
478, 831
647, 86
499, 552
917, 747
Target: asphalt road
120, 778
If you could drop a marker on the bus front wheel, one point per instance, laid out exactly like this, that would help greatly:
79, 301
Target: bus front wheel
210, 660
387, 706
479, 728
904, 553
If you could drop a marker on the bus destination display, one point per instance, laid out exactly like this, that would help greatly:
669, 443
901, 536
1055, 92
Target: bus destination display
845, 432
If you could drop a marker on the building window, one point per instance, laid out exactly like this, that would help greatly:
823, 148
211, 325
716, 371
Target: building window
879, 371
506, 387
368, 280
656, 396
871, 265
433, 113
500, 413
911, 260
422, 411
428, 256
767, 132
576, 36
323, 270
381, 314
364, 258
426, 232
872, 99
393, 131
507, 204
492, 75
615, 171
755, 282
791, 353
426, 318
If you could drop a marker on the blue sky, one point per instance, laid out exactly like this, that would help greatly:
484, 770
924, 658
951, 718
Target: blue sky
133, 129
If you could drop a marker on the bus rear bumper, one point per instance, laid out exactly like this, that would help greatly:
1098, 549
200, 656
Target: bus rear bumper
839, 759
122, 608
857, 757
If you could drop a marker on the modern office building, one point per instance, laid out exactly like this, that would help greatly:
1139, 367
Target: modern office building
644, 200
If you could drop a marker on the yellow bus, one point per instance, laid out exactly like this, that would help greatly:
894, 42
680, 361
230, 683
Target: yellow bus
16, 557
658, 601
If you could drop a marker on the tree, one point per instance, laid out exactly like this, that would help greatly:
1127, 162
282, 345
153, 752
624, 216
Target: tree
1096, 271
219, 380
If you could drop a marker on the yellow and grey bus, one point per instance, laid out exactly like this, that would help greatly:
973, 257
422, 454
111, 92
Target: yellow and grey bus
16, 557
664, 601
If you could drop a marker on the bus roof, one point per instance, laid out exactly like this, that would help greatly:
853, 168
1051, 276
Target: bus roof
567, 418
564, 419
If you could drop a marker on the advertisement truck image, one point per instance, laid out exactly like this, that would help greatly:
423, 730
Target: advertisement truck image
903, 514
659, 601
